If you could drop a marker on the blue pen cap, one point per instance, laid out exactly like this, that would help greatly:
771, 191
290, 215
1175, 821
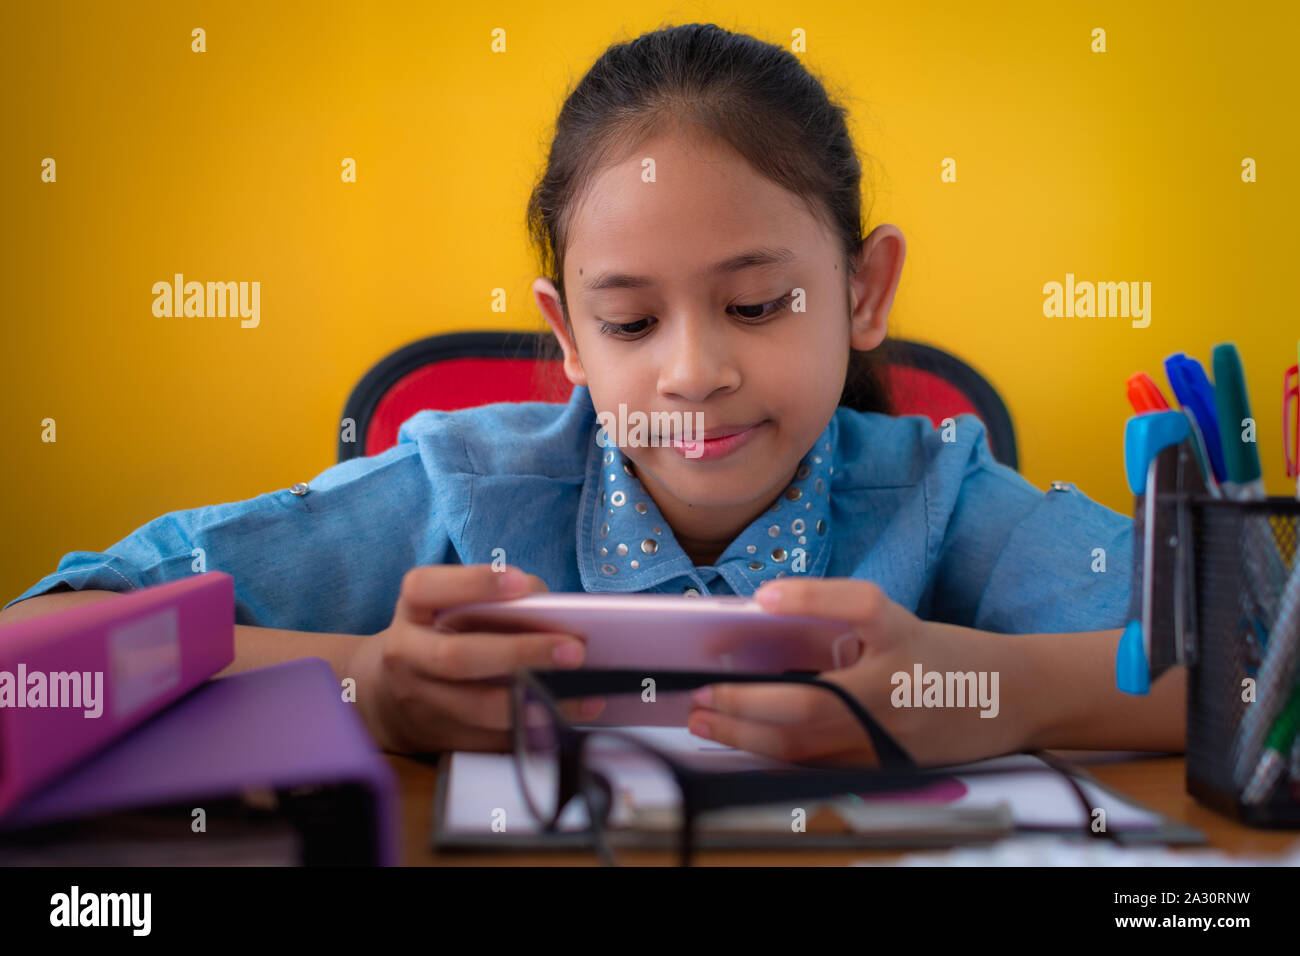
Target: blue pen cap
1196, 394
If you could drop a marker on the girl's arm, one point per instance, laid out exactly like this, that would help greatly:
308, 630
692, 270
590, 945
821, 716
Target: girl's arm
1068, 682
263, 646
419, 689
254, 646
1044, 691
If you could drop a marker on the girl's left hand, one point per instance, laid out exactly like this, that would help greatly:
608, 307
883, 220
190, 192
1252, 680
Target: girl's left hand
809, 724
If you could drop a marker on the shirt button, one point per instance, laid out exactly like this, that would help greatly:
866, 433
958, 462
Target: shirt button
299, 489
691, 592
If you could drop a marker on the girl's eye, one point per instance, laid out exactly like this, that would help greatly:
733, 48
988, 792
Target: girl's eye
765, 311
624, 330
776, 306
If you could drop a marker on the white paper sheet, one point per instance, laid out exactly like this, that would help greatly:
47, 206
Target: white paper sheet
483, 794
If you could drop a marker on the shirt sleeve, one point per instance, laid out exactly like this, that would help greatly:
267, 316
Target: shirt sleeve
328, 560
1017, 560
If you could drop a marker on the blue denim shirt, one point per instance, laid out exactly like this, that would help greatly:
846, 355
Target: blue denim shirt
944, 529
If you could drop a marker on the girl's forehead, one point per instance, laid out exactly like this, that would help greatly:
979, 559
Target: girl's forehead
662, 202
683, 173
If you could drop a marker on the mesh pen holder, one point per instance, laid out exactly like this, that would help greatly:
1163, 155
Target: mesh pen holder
1240, 628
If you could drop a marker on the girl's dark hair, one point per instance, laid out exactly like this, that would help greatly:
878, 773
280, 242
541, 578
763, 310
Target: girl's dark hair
756, 97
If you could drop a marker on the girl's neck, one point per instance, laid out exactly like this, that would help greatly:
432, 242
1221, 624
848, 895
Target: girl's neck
703, 554
705, 533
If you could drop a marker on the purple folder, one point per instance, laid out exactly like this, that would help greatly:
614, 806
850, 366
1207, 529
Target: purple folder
278, 728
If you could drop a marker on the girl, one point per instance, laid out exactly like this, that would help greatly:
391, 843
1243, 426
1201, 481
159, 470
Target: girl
699, 222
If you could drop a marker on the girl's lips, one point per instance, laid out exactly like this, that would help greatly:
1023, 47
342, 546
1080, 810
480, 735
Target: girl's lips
709, 449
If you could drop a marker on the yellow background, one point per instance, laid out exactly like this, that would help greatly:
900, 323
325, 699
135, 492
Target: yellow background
225, 166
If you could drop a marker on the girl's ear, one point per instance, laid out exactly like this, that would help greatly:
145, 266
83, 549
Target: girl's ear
548, 300
875, 280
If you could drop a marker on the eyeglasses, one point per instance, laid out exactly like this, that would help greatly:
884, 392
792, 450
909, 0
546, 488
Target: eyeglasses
635, 791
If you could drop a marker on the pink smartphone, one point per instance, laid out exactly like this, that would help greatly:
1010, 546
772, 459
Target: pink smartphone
666, 632
670, 632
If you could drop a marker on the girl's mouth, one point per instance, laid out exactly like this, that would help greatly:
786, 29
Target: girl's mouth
711, 449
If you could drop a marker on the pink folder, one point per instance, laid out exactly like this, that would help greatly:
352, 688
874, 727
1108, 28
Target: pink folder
74, 681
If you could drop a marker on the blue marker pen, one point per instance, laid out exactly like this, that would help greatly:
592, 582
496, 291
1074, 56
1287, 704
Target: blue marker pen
1195, 393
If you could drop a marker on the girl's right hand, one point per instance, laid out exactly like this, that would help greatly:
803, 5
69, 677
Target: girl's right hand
419, 688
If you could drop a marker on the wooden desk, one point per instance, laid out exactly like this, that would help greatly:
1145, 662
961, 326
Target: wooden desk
1154, 781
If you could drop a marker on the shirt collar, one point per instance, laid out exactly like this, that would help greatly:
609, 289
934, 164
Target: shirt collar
624, 543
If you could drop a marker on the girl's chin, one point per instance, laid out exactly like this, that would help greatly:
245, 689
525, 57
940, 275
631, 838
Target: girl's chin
720, 485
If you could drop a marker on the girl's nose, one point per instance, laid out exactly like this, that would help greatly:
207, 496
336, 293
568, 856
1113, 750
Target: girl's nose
697, 361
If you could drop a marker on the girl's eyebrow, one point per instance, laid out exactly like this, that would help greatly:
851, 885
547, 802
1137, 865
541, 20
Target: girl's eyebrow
761, 256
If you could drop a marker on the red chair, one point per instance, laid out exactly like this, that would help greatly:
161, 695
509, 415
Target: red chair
465, 369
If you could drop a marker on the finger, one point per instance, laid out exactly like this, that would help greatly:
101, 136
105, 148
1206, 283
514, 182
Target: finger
477, 656
427, 726
482, 706
430, 588
772, 703
453, 735
845, 599
787, 742
581, 709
